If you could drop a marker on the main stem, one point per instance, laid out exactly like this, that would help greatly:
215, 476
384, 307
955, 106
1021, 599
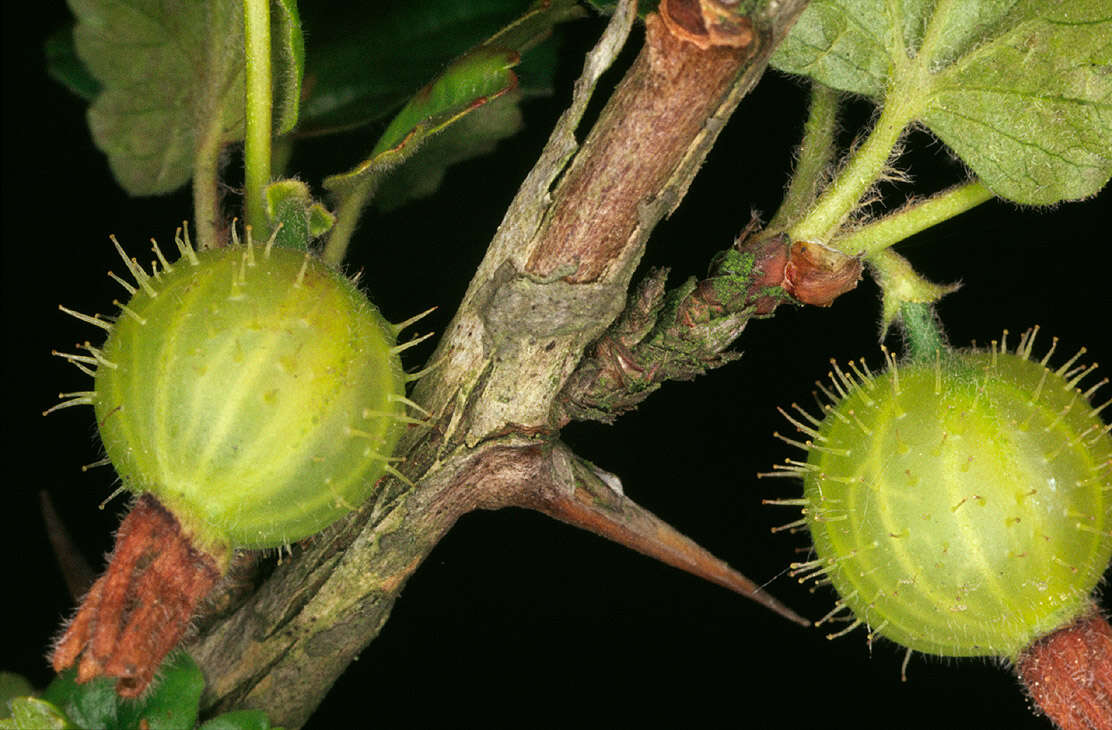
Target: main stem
256, 31
286, 645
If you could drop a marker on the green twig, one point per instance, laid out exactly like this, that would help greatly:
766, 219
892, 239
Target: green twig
347, 216
911, 219
815, 152
866, 165
206, 182
256, 30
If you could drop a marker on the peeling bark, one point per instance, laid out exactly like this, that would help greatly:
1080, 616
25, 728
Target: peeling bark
547, 287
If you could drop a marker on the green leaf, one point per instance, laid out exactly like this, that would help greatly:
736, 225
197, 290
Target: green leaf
1021, 91
171, 704
12, 685
471, 81
63, 65
89, 705
171, 72
368, 59
468, 83
840, 43
475, 134
31, 713
1031, 110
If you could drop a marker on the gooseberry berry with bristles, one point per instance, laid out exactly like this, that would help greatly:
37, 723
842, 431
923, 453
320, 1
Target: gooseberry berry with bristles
251, 397
959, 504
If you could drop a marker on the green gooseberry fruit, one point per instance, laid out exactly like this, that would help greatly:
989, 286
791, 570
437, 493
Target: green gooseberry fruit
256, 393
960, 506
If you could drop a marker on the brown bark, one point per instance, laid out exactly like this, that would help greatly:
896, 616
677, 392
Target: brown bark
649, 124
540, 296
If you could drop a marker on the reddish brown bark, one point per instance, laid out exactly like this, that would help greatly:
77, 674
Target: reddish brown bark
1069, 674
643, 134
140, 608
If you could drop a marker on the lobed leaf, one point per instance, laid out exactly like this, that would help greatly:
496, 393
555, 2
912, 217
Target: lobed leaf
1021, 90
167, 71
840, 43
1030, 111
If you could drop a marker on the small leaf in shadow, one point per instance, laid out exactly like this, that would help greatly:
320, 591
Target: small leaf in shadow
468, 83
474, 135
367, 60
63, 65
172, 702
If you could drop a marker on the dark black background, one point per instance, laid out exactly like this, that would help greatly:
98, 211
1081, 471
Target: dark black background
514, 618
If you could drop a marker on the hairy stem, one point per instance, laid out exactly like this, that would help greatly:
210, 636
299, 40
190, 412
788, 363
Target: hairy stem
206, 182
815, 153
347, 216
866, 165
918, 216
256, 31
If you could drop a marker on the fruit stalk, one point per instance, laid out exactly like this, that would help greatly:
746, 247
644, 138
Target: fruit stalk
923, 335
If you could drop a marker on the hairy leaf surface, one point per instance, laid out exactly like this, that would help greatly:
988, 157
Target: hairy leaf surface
1021, 91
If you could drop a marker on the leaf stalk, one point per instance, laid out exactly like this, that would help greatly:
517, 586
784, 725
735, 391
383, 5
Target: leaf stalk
865, 167
256, 31
918, 216
814, 155
347, 216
